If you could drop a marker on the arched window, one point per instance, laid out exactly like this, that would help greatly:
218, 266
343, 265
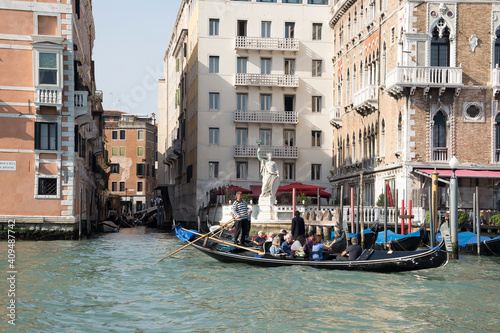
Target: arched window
354, 82
347, 152
348, 88
361, 83
439, 137
349, 28
382, 138
497, 49
383, 64
360, 149
497, 138
440, 45
400, 133
353, 148
355, 23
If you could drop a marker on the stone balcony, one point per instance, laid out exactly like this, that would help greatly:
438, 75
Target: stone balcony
266, 43
276, 152
365, 101
442, 78
48, 97
336, 117
495, 80
267, 80
81, 103
273, 117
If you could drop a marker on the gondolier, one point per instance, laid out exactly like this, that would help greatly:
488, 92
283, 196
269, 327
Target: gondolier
242, 215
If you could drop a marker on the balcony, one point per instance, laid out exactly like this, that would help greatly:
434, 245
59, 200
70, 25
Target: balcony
440, 154
177, 144
276, 117
495, 78
276, 152
423, 77
266, 43
81, 103
170, 157
48, 97
267, 80
336, 117
365, 101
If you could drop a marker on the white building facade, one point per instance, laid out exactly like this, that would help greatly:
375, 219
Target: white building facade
237, 72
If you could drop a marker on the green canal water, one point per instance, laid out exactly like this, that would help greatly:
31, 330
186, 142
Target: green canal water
113, 284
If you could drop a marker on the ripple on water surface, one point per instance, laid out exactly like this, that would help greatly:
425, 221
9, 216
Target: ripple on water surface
113, 284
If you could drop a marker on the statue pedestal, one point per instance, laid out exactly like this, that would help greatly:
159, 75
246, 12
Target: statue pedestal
266, 209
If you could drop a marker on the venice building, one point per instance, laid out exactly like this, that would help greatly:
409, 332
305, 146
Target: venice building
415, 83
237, 72
51, 149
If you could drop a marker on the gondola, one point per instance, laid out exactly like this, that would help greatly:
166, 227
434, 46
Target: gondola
409, 242
370, 235
370, 260
467, 243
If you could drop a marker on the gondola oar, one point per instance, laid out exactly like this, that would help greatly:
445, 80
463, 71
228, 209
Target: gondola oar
226, 243
206, 235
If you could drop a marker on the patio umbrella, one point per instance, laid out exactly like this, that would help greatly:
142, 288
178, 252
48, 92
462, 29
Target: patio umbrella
233, 189
299, 187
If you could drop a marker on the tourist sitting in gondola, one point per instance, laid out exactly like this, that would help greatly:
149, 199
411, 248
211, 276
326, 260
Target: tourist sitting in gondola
353, 251
276, 249
317, 248
282, 235
299, 243
286, 246
260, 238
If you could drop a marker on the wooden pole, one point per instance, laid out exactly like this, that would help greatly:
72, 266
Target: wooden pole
402, 219
226, 243
385, 215
206, 235
358, 215
431, 216
294, 204
409, 213
352, 209
396, 210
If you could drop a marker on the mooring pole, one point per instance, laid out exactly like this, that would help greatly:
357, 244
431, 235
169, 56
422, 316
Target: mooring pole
454, 208
294, 202
474, 220
409, 213
385, 215
396, 210
431, 216
352, 209
478, 235
358, 215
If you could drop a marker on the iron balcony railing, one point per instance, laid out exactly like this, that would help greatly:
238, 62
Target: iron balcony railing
276, 151
277, 117
269, 80
266, 43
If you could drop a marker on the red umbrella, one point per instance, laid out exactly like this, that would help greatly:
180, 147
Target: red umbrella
322, 193
299, 187
233, 189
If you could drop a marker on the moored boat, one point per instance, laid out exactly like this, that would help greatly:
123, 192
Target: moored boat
370, 260
467, 243
409, 242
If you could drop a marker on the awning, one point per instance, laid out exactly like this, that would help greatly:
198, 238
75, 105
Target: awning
463, 173
256, 190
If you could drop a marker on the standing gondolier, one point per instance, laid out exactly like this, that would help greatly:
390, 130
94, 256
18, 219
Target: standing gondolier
241, 214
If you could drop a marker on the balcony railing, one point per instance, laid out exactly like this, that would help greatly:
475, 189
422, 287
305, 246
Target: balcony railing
81, 103
276, 152
48, 97
266, 43
440, 154
365, 100
440, 77
336, 116
270, 80
495, 77
276, 117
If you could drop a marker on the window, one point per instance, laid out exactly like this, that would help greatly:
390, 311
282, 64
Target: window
241, 28
265, 102
241, 136
214, 27
242, 65
213, 170
316, 104
114, 186
288, 171
46, 136
317, 2
289, 66
47, 186
115, 168
140, 186
289, 29
213, 136
439, 137
316, 33
316, 68
114, 135
382, 138
213, 64
122, 135
289, 138
140, 169
265, 137
291, 1
242, 101
400, 133
47, 68
140, 135
122, 151
214, 101
496, 61
114, 151
140, 151
122, 186
440, 45
265, 66
265, 29
289, 102
316, 138
241, 170
497, 138
315, 171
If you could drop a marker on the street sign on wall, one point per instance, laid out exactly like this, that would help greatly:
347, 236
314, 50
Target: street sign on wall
7, 165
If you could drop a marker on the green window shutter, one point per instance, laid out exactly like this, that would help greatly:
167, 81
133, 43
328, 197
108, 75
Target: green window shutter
37, 135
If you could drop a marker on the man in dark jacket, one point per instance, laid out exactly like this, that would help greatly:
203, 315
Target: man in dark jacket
298, 225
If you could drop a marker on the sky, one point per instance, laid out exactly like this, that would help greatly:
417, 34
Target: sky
131, 39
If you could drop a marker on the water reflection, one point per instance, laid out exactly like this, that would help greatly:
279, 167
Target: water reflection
113, 283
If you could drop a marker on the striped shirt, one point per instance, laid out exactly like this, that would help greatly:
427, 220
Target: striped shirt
240, 208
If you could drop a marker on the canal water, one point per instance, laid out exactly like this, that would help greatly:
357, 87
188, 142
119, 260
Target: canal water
113, 284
